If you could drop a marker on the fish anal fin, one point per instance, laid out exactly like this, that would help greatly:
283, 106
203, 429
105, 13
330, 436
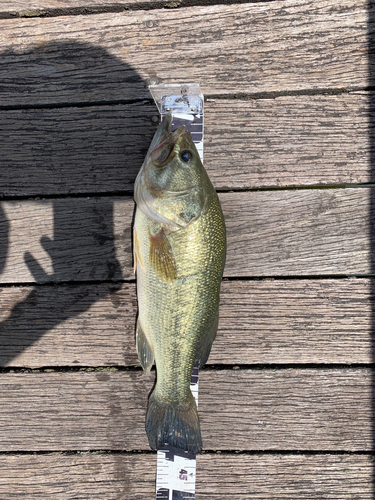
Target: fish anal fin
161, 256
204, 348
144, 349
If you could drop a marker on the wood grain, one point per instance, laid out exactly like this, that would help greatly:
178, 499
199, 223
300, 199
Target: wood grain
289, 141
74, 150
309, 232
270, 321
131, 477
286, 141
290, 409
67, 239
86, 325
275, 233
33, 8
226, 48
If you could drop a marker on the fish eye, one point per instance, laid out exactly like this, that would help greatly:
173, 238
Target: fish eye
186, 156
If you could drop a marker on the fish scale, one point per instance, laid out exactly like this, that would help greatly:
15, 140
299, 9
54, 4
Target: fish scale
181, 301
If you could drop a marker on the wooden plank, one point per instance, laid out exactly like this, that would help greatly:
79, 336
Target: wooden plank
274, 233
74, 150
299, 321
68, 325
67, 239
310, 232
287, 141
31, 8
130, 477
239, 410
114, 56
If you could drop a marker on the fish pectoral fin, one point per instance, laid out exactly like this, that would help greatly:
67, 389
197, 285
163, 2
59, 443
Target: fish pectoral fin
136, 252
161, 256
144, 349
204, 348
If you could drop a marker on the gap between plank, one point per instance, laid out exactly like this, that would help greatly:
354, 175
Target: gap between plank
207, 98
204, 452
29, 284
214, 367
109, 194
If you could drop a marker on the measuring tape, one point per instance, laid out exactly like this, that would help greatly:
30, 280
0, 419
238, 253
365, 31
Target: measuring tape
176, 469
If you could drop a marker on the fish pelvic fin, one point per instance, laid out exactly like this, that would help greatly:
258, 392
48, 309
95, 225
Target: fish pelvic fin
144, 349
161, 256
204, 348
176, 425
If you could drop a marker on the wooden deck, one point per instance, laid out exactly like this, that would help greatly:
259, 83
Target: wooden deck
287, 397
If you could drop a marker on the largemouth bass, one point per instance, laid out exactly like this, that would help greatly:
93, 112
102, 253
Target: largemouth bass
179, 255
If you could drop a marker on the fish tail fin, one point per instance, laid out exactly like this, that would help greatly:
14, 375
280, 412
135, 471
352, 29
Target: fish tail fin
176, 425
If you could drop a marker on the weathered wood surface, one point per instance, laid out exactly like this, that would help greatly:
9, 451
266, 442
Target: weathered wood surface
270, 321
109, 59
298, 232
239, 410
67, 239
31, 8
74, 150
276, 233
132, 477
256, 47
286, 141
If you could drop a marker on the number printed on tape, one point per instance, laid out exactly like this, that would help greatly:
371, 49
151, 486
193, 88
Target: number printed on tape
176, 471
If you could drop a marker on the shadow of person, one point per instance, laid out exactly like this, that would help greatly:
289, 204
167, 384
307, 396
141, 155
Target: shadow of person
68, 150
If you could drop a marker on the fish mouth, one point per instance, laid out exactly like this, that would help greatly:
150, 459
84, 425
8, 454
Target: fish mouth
165, 142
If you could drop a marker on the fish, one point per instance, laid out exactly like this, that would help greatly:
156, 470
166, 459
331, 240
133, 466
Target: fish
179, 245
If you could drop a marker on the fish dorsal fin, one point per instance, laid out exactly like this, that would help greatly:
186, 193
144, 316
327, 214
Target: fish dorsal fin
161, 256
144, 349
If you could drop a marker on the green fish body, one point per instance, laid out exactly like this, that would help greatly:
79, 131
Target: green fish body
179, 255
